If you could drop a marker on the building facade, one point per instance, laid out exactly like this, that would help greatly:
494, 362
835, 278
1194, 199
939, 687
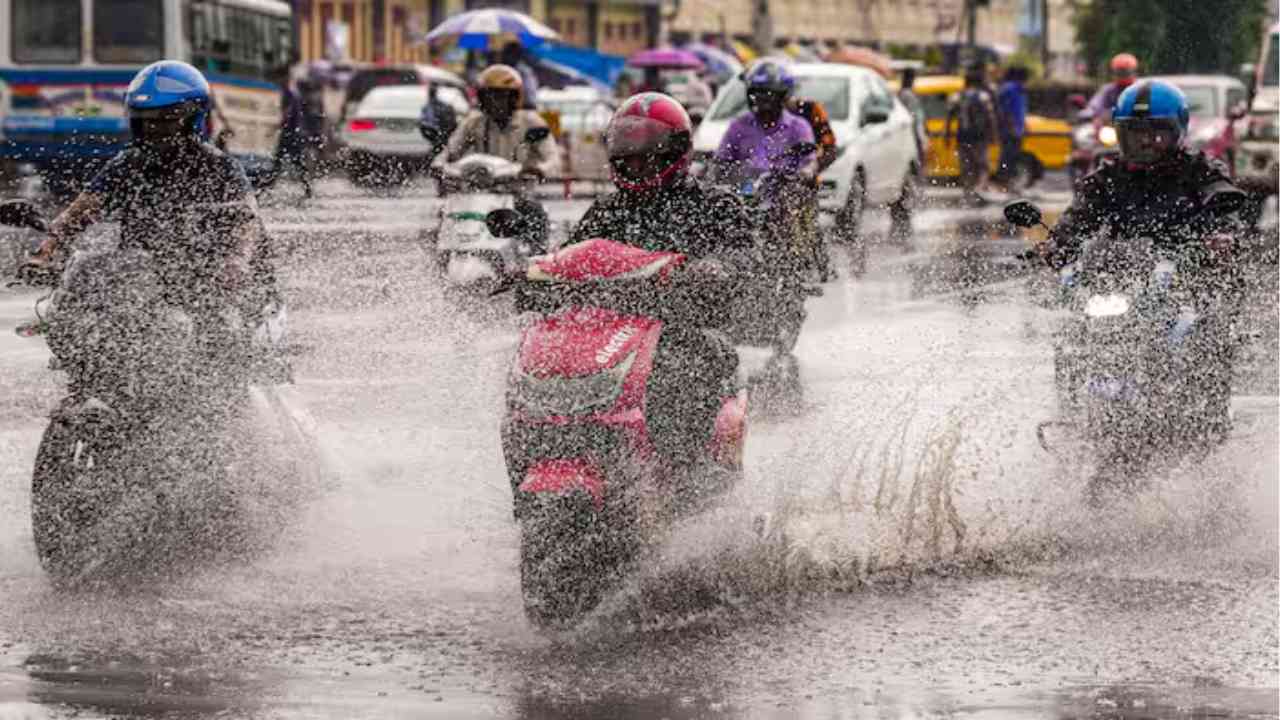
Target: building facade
362, 30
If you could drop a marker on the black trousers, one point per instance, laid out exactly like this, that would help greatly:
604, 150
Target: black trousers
693, 370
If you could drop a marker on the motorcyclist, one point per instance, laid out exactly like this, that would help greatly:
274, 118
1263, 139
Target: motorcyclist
658, 207
1154, 189
498, 127
178, 198
1124, 72
763, 141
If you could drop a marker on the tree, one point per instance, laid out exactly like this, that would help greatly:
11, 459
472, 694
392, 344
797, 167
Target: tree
1171, 36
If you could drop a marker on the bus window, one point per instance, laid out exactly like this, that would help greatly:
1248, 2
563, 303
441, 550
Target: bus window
128, 31
46, 31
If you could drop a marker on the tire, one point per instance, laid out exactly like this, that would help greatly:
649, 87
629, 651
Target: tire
570, 555
902, 209
69, 491
849, 224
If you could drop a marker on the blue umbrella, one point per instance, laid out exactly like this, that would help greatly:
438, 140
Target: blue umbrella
720, 63
472, 30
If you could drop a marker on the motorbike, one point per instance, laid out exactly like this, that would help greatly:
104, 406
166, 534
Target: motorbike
129, 474
469, 256
772, 312
1138, 356
578, 437
1090, 145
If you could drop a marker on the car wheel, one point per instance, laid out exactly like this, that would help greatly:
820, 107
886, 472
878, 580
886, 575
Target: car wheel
849, 224
902, 209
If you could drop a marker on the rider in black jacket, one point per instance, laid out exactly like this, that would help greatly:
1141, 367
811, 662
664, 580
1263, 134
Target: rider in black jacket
660, 208
1159, 189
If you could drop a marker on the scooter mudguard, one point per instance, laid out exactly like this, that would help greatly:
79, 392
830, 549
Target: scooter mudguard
563, 477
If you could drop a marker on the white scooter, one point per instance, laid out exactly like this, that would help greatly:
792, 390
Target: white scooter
477, 244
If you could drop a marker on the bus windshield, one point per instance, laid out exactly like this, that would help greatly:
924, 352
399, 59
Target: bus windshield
128, 31
46, 31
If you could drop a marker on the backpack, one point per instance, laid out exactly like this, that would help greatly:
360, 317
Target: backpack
974, 121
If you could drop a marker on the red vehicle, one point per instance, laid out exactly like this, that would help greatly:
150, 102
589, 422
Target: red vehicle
577, 444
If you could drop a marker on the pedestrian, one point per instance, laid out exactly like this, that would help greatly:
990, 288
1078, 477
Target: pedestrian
913, 105
1012, 99
290, 142
975, 116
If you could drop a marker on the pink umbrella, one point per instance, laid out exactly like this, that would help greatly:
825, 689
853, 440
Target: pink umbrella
665, 59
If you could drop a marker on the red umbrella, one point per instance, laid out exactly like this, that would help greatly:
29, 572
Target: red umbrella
866, 57
665, 59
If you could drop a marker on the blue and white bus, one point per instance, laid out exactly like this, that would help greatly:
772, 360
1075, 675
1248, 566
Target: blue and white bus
65, 65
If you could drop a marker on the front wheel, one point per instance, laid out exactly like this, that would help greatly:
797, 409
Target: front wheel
570, 555
903, 209
69, 493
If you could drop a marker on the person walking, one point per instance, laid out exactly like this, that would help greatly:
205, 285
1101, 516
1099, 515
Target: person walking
976, 128
1012, 100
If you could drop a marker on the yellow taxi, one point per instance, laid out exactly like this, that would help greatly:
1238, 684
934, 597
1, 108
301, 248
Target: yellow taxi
1047, 139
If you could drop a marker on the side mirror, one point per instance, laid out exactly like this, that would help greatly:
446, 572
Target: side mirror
503, 223
22, 213
1023, 213
535, 135
874, 114
1077, 101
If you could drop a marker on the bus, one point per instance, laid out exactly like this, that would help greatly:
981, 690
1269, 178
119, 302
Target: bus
65, 66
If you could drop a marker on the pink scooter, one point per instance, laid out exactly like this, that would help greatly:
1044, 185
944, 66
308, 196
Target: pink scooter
588, 481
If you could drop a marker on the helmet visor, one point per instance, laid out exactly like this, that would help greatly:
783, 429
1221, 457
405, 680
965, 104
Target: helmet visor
498, 102
765, 101
633, 135
1147, 140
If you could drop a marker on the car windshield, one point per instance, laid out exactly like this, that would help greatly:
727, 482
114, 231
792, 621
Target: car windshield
364, 81
1202, 100
401, 102
832, 92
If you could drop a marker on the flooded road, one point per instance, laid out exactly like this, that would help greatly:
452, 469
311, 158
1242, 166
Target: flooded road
902, 548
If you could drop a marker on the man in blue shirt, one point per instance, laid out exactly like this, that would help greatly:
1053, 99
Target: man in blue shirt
1012, 99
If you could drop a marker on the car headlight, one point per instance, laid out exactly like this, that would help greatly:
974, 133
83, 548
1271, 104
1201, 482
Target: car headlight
1107, 136
569, 396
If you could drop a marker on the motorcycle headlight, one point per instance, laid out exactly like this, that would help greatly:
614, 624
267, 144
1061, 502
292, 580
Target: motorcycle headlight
1105, 306
1084, 136
569, 396
1107, 136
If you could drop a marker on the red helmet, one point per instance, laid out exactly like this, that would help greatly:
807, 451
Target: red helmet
650, 141
1124, 67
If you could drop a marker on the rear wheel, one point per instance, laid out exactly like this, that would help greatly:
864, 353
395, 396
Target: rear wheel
849, 225
902, 209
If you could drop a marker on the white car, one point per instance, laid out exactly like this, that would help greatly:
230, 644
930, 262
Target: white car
381, 140
877, 163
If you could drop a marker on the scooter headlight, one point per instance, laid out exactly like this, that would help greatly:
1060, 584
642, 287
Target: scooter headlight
1108, 136
570, 396
1106, 306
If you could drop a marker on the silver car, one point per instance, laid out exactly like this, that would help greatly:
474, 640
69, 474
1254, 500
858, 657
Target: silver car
381, 140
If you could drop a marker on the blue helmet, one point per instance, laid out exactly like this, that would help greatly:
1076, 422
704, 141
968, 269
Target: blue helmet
168, 90
769, 75
1151, 119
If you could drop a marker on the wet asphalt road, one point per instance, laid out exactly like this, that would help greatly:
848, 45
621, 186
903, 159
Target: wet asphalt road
902, 548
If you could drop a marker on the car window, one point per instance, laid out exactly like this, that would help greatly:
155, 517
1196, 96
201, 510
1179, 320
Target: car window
935, 106
400, 99
832, 92
364, 81
880, 91
1202, 99
1236, 97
